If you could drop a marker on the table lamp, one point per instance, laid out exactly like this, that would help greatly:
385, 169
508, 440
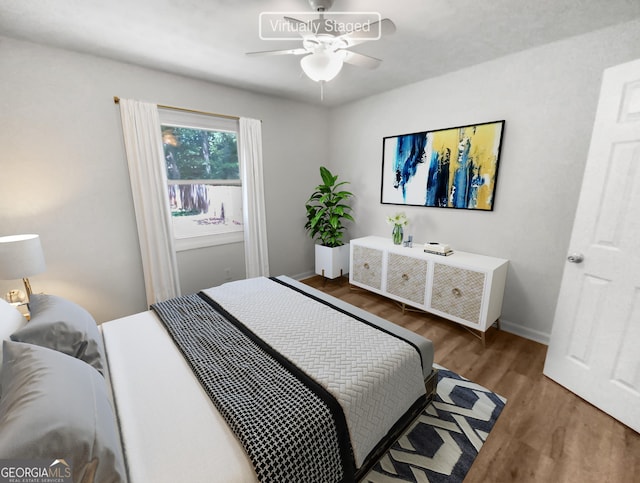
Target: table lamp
20, 257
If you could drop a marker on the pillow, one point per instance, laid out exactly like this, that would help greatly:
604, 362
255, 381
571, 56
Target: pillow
10, 320
56, 407
62, 325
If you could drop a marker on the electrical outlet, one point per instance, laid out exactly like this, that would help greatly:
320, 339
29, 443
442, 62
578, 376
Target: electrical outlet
227, 274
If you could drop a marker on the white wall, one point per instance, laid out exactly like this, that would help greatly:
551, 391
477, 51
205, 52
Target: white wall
63, 173
548, 98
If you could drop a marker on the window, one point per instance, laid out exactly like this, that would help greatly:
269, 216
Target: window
205, 190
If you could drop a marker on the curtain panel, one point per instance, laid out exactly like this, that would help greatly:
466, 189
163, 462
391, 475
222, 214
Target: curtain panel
147, 172
255, 220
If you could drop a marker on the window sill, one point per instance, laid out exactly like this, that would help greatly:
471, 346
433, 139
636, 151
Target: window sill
192, 243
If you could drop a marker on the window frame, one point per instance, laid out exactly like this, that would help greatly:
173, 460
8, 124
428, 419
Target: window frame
192, 120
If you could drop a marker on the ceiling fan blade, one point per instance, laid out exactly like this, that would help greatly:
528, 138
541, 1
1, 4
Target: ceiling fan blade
295, 21
360, 60
299, 51
387, 27
358, 36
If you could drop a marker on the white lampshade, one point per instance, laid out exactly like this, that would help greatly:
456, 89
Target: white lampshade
20, 256
322, 66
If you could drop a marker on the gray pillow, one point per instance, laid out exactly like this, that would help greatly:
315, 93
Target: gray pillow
10, 320
56, 407
64, 326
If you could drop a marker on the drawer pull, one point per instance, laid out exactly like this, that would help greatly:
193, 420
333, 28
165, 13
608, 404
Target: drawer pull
456, 292
366, 266
405, 277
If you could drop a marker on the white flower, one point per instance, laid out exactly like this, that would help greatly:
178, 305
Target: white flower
399, 219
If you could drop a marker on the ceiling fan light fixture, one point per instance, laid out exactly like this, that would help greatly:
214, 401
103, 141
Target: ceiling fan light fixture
322, 66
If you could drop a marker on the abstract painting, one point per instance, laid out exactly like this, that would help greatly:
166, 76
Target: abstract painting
448, 168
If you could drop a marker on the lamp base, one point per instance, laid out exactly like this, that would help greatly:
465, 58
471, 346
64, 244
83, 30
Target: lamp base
27, 287
15, 297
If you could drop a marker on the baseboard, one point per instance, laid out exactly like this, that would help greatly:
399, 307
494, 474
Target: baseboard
517, 329
303, 275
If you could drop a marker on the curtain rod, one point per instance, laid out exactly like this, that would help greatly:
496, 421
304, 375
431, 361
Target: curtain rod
116, 99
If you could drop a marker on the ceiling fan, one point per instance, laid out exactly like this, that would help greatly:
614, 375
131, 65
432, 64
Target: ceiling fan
326, 42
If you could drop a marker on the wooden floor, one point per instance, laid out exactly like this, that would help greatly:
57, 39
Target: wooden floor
545, 433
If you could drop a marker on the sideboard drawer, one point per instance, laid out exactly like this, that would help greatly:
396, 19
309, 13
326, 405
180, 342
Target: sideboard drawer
458, 292
407, 277
367, 266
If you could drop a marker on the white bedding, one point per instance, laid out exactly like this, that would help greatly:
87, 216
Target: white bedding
375, 378
424, 346
170, 429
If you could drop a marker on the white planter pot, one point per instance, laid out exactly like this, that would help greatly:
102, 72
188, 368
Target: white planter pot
332, 262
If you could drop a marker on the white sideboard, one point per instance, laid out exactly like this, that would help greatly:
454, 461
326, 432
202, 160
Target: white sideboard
463, 287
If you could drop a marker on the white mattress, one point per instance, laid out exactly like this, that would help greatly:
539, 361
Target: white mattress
170, 429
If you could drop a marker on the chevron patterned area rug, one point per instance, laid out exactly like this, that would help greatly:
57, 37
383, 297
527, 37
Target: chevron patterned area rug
442, 443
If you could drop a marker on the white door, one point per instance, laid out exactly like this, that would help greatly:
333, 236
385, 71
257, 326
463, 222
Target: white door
595, 342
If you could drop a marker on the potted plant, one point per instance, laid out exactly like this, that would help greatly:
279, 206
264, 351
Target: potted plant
327, 209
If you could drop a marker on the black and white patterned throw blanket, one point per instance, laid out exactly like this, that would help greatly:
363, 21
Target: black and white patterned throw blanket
292, 429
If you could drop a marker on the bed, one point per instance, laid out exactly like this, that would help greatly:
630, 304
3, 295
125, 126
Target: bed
333, 385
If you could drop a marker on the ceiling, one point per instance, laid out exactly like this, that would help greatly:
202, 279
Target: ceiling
208, 39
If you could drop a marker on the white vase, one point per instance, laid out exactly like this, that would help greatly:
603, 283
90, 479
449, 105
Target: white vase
332, 262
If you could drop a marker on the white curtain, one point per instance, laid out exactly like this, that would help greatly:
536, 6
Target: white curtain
255, 224
145, 155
